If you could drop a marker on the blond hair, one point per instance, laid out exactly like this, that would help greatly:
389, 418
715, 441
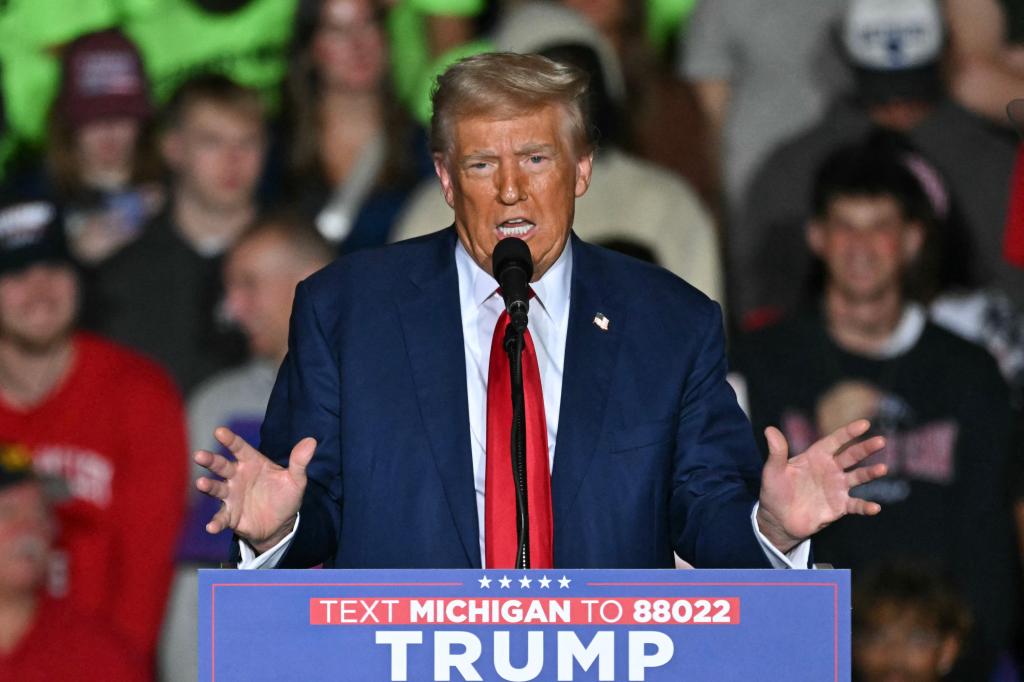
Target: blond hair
506, 85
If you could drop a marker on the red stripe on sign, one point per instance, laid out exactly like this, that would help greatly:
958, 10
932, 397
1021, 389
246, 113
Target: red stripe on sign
427, 611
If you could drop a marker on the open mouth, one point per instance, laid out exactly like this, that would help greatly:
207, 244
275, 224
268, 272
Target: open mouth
515, 227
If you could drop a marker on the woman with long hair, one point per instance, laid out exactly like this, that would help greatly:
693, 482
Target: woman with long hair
351, 150
101, 161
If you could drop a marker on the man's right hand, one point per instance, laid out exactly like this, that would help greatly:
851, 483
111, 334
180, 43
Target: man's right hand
260, 500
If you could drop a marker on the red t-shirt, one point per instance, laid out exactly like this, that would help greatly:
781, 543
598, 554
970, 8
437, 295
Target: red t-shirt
114, 429
62, 644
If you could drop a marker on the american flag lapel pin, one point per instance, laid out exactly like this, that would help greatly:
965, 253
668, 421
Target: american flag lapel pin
601, 322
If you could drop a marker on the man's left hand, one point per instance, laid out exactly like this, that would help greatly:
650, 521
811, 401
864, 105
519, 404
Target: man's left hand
802, 495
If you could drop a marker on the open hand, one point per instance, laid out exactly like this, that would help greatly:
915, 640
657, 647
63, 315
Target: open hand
802, 495
260, 499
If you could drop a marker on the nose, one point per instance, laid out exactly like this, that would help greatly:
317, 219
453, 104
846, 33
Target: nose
511, 184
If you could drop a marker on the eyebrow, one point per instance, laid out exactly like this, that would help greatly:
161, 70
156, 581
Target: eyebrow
526, 150
535, 148
479, 155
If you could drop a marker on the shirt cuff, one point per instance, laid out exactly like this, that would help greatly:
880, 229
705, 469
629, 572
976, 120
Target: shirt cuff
798, 557
269, 559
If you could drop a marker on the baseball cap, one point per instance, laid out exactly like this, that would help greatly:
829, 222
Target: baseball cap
102, 78
31, 231
894, 47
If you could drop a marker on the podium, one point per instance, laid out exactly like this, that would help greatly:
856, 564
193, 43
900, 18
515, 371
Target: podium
549, 625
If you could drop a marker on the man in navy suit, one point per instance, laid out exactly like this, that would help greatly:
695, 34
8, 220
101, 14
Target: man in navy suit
383, 393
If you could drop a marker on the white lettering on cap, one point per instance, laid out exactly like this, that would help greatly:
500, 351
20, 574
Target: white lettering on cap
893, 34
24, 224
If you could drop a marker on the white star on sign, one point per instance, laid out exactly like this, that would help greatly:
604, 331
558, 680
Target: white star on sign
485, 582
544, 582
564, 582
524, 582
505, 582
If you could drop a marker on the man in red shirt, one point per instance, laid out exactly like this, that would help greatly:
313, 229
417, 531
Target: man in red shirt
42, 638
100, 417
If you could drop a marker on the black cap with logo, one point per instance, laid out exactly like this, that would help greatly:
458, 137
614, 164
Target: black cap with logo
31, 231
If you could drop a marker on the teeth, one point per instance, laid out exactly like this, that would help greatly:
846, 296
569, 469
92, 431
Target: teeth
514, 231
515, 228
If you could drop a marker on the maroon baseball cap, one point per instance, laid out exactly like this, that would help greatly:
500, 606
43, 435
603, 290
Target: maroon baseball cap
103, 78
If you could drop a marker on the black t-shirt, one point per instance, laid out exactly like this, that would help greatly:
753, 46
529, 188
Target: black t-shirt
160, 296
945, 412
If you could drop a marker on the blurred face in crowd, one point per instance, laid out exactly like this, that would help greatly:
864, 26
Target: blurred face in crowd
217, 154
348, 48
866, 244
26, 530
38, 306
107, 146
516, 177
260, 276
898, 645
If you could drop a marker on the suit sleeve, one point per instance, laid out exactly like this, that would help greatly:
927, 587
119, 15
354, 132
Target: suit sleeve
305, 402
717, 467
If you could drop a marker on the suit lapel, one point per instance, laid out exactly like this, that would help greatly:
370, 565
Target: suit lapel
590, 355
432, 324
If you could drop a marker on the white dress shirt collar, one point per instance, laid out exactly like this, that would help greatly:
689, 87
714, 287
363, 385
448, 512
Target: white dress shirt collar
551, 291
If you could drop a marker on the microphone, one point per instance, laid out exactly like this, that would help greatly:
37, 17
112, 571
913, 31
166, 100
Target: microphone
513, 268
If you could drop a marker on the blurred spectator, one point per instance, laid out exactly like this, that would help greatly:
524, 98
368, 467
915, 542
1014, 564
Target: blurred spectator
102, 162
988, 318
98, 416
895, 47
244, 40
43, 639
31, 34
909, 624
629, 200
762, 72
866, 351
986, 54
352, 149
426, 36
662, 122
260, 276
162, 293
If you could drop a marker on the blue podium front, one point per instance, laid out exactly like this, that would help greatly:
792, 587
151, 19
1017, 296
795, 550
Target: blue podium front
654, 625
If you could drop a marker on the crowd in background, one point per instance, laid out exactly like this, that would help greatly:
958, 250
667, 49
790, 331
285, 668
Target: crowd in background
842, 176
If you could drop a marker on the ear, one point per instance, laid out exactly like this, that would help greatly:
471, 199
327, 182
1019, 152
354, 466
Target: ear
445, 176
584, 168
815, 235
913, 240
948, 651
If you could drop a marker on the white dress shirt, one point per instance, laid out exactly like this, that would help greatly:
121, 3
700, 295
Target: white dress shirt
548, 324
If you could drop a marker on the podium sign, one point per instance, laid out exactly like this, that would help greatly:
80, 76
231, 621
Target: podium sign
652, 625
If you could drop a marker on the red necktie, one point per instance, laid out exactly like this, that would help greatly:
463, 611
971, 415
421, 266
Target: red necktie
499, 490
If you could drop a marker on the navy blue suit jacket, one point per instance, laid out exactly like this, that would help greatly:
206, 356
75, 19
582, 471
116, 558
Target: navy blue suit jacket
652, 455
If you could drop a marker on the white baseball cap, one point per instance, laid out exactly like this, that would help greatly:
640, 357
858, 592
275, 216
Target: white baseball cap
893, 34
894, 47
